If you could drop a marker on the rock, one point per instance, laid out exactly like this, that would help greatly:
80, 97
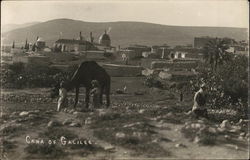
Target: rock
24, 113
109, 148
235, 129
241, 138
155, 140
75, 113
225, 124
132, 124
75, 124
227, 137
88, 120
141, 111
212, 130
197, 139
236, 147
120, 135
14, 113
247, 135
71, 111
180, 145
165, 75
197, 125
242, 134
53, 123
36, 111
67, 121
170, 114
101, 112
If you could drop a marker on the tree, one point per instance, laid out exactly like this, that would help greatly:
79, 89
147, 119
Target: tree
34, 47
26, 46
215, 52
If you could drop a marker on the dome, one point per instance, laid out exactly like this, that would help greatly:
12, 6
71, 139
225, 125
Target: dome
105, 39
40, 40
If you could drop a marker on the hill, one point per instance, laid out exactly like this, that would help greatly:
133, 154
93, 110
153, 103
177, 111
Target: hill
122, 33
10, 27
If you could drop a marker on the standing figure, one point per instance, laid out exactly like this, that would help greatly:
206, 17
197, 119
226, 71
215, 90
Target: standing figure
95, 93
199, 108
63, 100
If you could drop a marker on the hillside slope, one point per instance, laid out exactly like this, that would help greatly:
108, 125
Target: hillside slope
122, 33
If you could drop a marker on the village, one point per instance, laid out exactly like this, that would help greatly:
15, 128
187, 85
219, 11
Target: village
120, 80
131, 61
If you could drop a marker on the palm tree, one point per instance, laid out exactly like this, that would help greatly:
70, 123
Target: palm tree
215, 52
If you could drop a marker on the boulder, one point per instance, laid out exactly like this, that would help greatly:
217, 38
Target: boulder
147, 72
109, 148
165, 75
120, 135
225, 124
76, 113
141, 111
227, 137
67, 121
75, 124
180, 145
241, 138
53, 123
88, 120
242, 134
24, 113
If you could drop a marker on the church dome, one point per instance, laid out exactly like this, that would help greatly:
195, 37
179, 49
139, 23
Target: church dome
104, 39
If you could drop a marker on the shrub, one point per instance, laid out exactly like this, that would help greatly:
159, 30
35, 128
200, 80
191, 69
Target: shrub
152, 81
227, 87
18, 75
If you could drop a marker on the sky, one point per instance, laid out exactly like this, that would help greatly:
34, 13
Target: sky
222, 13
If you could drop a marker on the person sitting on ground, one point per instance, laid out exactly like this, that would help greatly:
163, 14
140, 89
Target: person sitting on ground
199, 107
95, 93
63, 100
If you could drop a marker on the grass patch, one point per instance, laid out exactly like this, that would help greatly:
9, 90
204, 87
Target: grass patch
57, 133
45, 150
8, 145
12, 130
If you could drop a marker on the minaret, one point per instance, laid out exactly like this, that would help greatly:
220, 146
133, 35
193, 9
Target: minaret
80, 36
91, 37
13, 45
26, 46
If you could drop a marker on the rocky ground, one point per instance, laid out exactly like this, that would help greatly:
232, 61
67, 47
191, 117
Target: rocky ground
133, 127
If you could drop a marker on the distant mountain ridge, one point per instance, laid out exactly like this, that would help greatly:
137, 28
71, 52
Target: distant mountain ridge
122, 33
10, 27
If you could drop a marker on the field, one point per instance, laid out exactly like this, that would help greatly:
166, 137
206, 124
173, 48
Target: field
141, 123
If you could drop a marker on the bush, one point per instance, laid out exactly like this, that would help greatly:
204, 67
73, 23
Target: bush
152, 81
18, 75
228, 86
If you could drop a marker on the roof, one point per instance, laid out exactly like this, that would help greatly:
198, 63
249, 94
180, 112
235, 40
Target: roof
40, 39
72, 41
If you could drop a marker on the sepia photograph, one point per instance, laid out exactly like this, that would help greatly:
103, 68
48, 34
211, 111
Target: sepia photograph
117, 80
